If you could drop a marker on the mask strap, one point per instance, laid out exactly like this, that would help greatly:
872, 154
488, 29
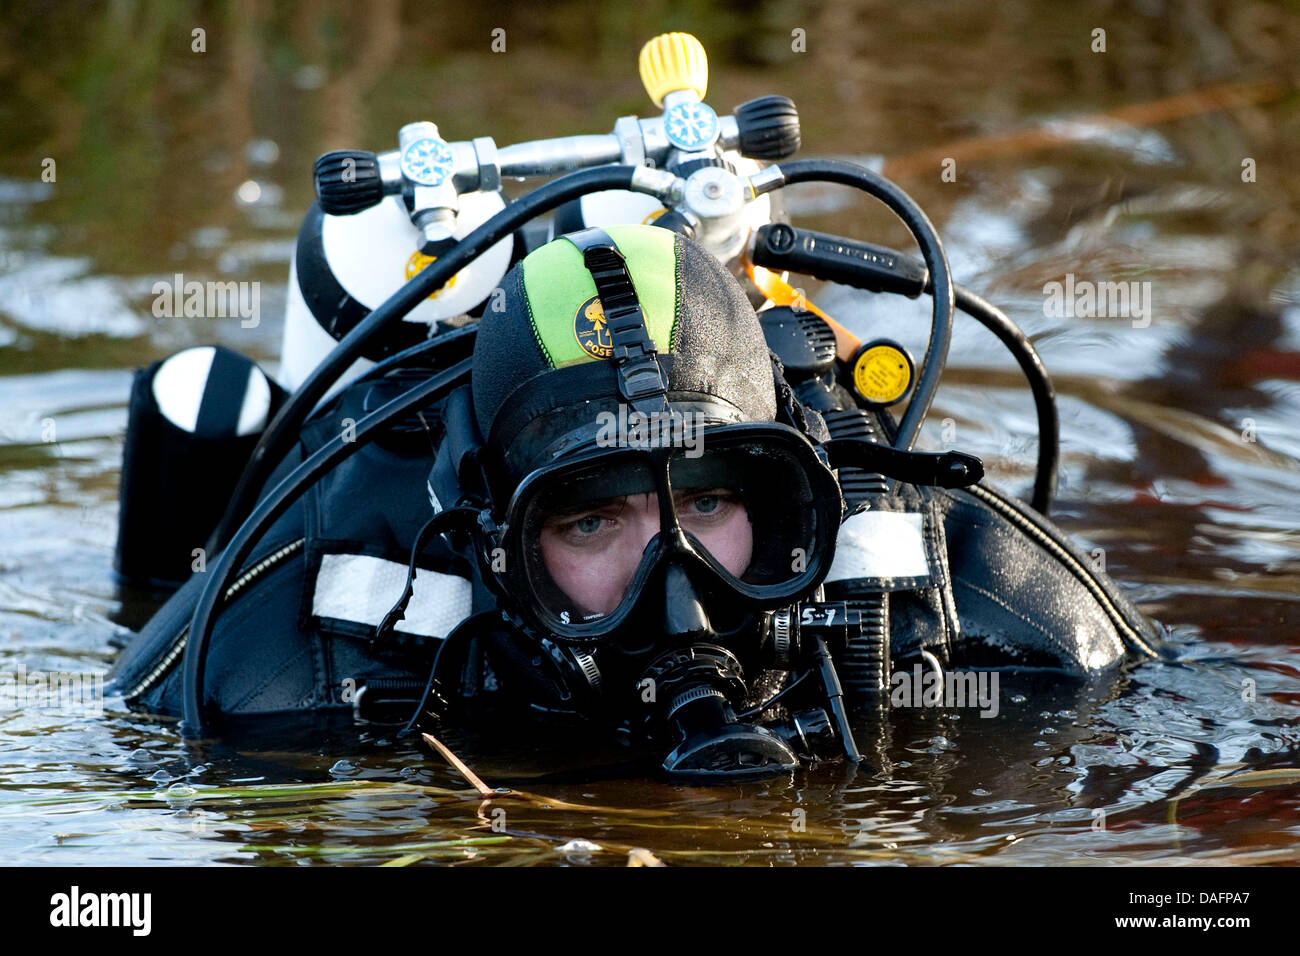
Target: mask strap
789, 410
640, 379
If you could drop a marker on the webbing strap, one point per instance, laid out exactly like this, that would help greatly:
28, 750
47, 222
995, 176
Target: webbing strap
640, 379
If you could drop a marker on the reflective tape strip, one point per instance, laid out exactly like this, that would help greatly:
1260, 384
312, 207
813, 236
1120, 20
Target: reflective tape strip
880, 544
361, 588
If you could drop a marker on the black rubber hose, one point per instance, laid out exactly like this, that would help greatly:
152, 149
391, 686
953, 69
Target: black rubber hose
426, 349
283, 430
1049, 425
880, 269
936, 350
267, 511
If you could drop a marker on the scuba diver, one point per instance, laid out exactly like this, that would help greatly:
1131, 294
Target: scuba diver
662, 540
625, 489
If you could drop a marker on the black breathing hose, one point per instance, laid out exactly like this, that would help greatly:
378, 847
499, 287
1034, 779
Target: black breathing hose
936, 350
272, 507
1049, 427
283, 430
881, 269
428, 349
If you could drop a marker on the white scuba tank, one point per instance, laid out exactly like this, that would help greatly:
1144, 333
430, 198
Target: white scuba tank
345, 266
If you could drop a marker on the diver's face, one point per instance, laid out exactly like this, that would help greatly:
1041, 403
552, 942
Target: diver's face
592, 554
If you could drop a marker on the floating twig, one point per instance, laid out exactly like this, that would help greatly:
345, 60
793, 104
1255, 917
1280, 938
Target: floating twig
483, 789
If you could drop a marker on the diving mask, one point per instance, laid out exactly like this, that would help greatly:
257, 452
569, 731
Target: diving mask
749, 510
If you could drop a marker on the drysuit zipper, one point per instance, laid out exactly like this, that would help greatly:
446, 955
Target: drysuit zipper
178, 646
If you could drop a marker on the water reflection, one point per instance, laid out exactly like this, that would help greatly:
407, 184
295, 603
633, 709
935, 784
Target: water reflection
1108, 166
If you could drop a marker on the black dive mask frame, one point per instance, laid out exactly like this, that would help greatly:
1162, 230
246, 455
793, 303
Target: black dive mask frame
673, 544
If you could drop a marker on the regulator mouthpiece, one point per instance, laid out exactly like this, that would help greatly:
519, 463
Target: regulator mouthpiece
713, 746
697, 687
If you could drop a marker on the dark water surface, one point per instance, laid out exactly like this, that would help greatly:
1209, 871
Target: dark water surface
1180, 429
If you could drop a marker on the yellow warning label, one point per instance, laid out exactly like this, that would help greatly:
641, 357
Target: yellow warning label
416, 264
882, 374
591, 329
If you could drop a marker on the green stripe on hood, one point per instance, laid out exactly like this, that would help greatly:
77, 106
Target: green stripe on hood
557, 285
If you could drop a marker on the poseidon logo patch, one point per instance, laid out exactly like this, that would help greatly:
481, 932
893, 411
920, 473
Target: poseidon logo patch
591, 330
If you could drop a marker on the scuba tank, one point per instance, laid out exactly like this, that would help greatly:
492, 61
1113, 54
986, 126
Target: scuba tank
193, 419
328, 577
345, 263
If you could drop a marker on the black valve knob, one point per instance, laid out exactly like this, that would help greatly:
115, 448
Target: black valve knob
674, 220
769, 128
348, 181
684, 170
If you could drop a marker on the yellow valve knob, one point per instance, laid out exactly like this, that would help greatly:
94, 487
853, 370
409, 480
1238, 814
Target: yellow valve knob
673, 61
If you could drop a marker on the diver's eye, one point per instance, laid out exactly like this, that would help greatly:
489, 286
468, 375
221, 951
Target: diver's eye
588, 524
581, 528
711, 504
706, 504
